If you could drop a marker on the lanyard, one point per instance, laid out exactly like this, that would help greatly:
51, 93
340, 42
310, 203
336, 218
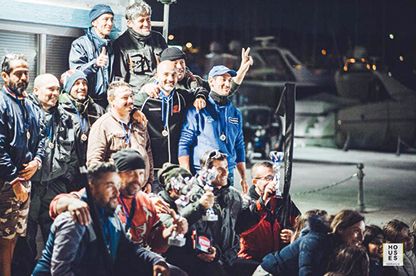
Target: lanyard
222, 112
81, 119
49, 129
129, 216
127, 134
167, 107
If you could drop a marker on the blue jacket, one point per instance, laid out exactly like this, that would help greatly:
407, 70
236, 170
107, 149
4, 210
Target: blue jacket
74, 249
308, 255
83, 56
201, 132
15, 147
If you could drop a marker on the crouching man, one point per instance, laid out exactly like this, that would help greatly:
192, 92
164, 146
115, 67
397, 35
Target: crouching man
100, 248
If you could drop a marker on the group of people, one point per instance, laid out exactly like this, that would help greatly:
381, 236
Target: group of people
126, 165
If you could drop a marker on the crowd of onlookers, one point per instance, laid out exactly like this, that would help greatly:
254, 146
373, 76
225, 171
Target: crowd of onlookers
126, 165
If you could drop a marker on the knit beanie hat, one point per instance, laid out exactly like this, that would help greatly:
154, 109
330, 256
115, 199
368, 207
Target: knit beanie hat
128, 160
172, 53
170, 171
69, 78
99, 10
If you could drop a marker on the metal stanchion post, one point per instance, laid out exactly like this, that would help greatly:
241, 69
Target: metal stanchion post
360, 176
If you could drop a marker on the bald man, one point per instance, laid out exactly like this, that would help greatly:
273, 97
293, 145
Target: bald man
166, 114
58, 164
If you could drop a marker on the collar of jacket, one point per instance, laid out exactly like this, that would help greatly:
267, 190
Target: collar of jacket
98, 41
13, 95
137, 36
218, 99
70, 102
36, 102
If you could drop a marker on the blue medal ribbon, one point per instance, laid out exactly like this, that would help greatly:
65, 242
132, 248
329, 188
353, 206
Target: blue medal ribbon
167, 107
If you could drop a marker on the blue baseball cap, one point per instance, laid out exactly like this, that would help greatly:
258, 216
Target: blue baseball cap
221, 70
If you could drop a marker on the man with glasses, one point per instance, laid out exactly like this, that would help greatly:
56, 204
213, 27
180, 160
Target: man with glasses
265, 232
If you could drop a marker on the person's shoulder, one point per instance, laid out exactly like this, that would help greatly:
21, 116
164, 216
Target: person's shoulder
156, 35
122, 39
65, 220
81, 40
103, 120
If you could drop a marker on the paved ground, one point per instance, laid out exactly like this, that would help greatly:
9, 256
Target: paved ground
389, 182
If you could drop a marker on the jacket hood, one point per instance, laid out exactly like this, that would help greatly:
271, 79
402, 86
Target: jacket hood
318, 224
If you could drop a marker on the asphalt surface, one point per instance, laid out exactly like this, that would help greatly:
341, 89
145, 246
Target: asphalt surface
389, 182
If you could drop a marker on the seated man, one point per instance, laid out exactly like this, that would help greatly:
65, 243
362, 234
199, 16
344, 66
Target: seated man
265, 231
100, 248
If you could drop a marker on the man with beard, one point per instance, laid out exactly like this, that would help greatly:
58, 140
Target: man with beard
137, 213
218, 126
116, 130
22, 145
100, 248
59, 162
93, 54
137, 50
84, 112
166, 114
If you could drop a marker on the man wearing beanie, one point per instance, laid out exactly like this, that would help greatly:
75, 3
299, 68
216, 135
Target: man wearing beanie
138, 49
83, 112
166, 114
224, 131
116, 130
138, 213
93, 54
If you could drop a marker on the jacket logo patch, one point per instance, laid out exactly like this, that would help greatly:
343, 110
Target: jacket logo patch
176, 108
233, 120
155, 109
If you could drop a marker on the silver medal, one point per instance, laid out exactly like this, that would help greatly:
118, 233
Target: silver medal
51, 145
165, 132
223, 137
84, 137
28, 135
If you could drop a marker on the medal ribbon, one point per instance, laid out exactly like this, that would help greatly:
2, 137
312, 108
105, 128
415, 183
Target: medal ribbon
127, 134
222, 111
83, 122
167, 107
129, 215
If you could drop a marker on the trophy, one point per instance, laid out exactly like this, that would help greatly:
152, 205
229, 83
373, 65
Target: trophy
277, 158
205, 178
176, 239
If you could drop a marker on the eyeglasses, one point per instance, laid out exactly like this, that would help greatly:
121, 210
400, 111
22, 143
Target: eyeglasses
216, 154
267, 177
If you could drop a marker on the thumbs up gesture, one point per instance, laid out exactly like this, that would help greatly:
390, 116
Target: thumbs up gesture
102, 59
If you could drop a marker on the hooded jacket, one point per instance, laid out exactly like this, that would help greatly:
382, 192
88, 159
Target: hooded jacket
136, 57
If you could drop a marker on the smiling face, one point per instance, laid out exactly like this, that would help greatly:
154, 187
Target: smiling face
103, 25
141, 24
221, 166
167, 75
121, 101
79, 90
105, 191
353, 235
18, 78
221, 84
180, 66
132, 181
46, 88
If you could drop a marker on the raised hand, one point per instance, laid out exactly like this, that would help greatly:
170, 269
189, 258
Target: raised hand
102, 59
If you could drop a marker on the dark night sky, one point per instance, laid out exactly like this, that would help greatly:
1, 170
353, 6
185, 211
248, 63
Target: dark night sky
303, 26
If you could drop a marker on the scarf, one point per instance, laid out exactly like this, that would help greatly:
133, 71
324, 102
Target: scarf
221, 100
